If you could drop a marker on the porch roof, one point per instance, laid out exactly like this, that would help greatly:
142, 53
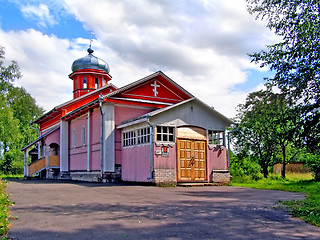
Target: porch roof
39, 138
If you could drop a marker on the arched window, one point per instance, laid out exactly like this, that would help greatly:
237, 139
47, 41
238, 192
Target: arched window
74, 138
54, 149
96, 83
83, 136
84, 81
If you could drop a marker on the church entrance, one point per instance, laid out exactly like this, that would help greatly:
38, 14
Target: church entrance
191, 159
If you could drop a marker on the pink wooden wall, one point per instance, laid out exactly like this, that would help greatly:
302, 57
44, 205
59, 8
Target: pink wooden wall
123, 113
95, 140
78, 154
217, 160
136, 163
162, 162
53, 137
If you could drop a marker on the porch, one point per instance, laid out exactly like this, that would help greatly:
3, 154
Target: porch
49, 162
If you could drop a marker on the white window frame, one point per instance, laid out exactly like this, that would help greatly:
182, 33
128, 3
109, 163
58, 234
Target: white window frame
216, 137
84, 82
143, 135
165, 134
96, 82
83, 136
74, 138
129, 138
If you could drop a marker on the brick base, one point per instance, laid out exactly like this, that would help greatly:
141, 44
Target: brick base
165, 177
221, 177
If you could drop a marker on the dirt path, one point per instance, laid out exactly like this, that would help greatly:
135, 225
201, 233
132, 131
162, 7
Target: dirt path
64, 210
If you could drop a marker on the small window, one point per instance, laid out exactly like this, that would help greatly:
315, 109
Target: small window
83, 136
165, 134
74, 138
96, 83
54, 149
216, 137
84, 80
128, 138
143, 135
75, 84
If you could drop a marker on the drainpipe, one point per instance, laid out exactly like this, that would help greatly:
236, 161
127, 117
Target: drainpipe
38, 137
102, 134
151, 148
228, 136
88, 141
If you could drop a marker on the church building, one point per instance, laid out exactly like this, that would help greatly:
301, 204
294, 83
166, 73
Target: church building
151, 130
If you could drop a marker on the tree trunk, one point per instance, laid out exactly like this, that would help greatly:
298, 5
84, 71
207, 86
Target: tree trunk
283, 171
265, 170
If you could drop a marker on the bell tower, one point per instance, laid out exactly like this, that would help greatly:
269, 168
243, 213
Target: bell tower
88, 74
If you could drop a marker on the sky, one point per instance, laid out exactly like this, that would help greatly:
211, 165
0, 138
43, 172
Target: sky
203, 45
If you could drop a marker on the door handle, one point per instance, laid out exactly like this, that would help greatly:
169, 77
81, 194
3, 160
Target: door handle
192, 161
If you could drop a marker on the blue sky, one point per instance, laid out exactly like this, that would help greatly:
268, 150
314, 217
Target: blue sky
200, 44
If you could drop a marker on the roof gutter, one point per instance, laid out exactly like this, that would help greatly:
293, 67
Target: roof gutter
151, 149
228, 136
102, 134
32, 127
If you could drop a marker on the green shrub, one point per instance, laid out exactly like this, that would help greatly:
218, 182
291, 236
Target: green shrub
245, 168
12, 162
4, 211
313, 161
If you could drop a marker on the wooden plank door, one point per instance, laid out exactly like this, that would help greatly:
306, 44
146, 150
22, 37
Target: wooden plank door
192, 160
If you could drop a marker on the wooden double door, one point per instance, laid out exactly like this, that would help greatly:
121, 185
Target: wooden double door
192, 160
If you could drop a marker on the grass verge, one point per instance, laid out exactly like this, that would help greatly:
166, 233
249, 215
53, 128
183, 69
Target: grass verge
11, 176
4, 211
307, 209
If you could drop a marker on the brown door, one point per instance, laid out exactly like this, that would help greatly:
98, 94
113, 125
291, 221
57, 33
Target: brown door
192, 160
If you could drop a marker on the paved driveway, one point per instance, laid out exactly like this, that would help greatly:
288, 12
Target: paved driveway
72, 210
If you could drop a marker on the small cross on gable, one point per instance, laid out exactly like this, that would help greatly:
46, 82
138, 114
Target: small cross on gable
155, 86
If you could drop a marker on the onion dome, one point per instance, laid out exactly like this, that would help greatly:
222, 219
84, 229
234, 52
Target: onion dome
90, 62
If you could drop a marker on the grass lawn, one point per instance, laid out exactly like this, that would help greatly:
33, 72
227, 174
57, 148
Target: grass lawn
11, 176
307, 209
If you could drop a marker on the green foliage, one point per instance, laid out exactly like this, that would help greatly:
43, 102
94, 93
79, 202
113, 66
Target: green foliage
267, 126
12, 162
313, 161
9, 126
17, 109
25, 110
245, 169
296, 58
307, 209
9, 73
4, 211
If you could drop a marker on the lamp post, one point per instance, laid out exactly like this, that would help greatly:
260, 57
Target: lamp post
228, 136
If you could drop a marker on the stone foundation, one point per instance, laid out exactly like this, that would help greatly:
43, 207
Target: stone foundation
94, 176
85, 176
221, 177
165, 177
113, 176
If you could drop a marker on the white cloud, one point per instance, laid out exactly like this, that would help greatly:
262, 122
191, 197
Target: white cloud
39, 13
202, 45
45, 62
